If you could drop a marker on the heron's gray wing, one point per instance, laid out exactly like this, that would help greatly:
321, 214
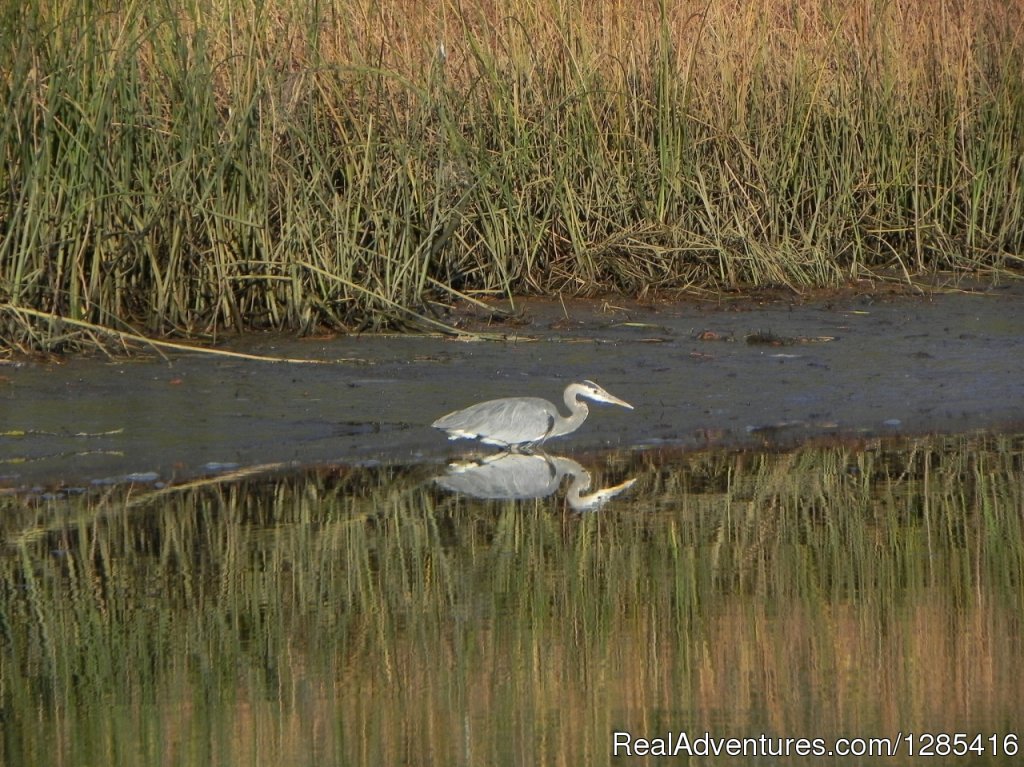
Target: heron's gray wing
509, 421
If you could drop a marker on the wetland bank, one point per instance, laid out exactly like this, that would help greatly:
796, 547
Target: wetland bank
809, 527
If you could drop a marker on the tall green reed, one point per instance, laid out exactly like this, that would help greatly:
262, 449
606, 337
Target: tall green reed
190, 168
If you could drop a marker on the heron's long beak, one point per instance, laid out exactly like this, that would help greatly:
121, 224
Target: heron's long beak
599, 394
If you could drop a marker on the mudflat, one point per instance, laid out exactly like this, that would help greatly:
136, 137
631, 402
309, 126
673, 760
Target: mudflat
700, 374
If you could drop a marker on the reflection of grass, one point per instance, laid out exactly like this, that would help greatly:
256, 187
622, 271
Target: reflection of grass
365, 616
185, 167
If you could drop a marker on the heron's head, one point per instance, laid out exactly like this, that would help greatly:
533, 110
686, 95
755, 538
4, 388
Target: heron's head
592, 391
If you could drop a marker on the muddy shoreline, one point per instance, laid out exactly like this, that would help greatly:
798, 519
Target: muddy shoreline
701, 375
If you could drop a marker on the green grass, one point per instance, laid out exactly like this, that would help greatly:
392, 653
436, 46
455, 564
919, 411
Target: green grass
190, 168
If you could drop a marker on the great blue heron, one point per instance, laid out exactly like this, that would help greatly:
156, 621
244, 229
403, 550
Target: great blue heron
526, 421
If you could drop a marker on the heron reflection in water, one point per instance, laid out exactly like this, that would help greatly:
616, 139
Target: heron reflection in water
522, 423
520, 476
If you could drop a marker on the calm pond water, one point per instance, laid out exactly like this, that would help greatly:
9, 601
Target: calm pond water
417, 615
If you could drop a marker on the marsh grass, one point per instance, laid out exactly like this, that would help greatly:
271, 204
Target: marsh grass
364, 616
188, 168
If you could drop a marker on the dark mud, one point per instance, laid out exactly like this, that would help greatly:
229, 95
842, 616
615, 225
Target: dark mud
699, 375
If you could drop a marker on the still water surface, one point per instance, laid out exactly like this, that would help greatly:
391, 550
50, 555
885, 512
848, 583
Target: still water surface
409, 615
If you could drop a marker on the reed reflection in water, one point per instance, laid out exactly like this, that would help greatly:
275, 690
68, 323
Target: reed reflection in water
362, 616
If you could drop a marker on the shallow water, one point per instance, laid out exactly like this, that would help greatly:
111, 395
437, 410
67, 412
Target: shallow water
698, 375
379, 616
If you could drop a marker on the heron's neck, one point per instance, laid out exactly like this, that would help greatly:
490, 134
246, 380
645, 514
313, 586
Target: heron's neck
578, 413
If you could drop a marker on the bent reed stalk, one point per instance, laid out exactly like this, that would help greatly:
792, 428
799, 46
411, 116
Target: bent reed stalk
190, 167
